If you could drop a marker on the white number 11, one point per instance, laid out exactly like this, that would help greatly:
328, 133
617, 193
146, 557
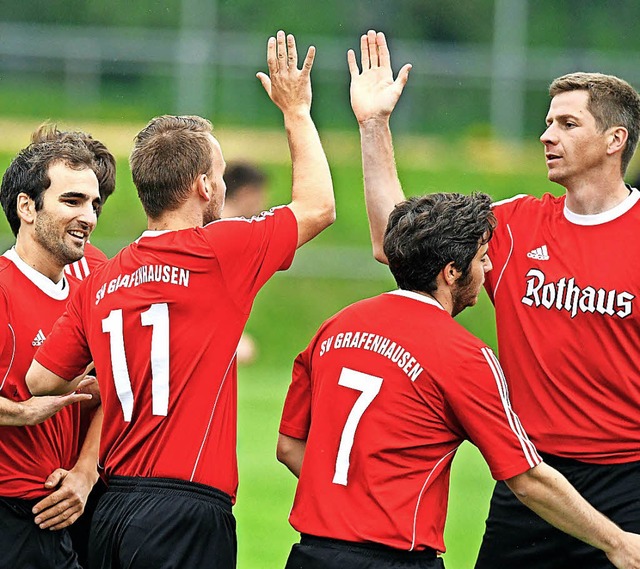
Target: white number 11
369, 385
158, 318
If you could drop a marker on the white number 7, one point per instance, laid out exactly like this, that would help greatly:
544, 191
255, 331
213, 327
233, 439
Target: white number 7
158, 318
370, 387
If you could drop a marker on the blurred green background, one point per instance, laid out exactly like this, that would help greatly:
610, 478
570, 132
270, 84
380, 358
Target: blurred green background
468, 120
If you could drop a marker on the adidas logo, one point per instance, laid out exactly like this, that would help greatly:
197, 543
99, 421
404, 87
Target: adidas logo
39, 339
540, 254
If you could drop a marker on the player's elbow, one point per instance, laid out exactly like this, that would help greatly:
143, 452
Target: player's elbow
529, 484
284, 450
378, 254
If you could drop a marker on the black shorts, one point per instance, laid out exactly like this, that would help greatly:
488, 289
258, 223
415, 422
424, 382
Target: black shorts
24, 545
323, 553
80, 529
157, 523
516, 537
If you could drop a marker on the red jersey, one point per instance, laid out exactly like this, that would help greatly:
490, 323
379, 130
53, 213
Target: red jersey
565, 288
30, 303
162, 320
384, 395
93, 257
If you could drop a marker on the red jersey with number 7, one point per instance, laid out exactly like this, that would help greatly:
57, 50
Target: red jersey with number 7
384, 394
162, 321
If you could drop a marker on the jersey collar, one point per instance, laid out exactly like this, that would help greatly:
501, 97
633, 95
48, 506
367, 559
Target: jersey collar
57, 291
599, 218
417, 296
153, 233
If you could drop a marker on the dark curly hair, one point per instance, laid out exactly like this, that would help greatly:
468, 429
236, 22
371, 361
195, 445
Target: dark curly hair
426, 233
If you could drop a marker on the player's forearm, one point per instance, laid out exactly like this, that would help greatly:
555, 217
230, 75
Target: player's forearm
553, 498
382, 189
14, 413
312, 199
88, 458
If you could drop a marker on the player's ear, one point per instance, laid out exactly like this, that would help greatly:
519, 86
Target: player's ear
450, 274
203, 187
26, 208
617, 139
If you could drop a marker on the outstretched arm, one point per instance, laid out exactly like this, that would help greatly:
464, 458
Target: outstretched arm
37, 409
374, 94
312, 200
551, 496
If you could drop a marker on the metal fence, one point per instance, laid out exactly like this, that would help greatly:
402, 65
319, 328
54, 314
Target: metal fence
451, 84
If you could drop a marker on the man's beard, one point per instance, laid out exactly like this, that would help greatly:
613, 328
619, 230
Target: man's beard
47, 236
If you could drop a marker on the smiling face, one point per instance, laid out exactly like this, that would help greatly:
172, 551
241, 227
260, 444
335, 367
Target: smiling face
574, 147
68, 214
465, 294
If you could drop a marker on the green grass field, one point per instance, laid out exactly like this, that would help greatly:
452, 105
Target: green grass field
292, 305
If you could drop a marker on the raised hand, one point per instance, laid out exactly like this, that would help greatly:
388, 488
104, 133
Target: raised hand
287, 86
374, 92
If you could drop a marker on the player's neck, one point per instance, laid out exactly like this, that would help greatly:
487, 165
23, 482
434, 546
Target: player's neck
593, 198
39, 259
442, 297
175, 220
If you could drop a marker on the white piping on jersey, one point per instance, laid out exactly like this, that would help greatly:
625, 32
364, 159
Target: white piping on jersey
213, 410
57, 291
495, 290
424, 487
260, 217
509, 200
599, 218
152, 233
514, 422
416, 296
13, 354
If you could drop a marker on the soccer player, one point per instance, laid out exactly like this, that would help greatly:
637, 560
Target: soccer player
246, 196
50, 196
104, 168
390, 387
565, 289
162, 320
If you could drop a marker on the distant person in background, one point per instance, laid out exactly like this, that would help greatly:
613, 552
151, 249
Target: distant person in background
246, 190
246, 197
387, 391
105, 170
566, 290
48, 465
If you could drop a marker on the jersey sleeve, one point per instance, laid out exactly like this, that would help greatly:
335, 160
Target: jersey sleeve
479, 400
65, 352
296, 416
250, 251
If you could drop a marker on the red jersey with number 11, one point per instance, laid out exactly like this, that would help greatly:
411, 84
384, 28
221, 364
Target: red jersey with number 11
384, 395
162, 320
